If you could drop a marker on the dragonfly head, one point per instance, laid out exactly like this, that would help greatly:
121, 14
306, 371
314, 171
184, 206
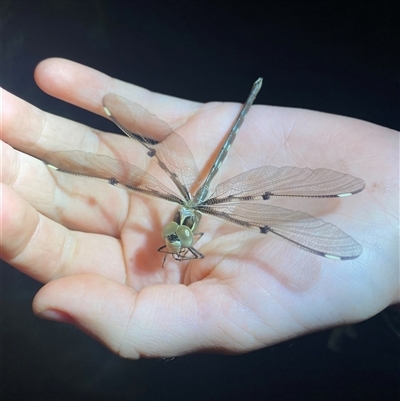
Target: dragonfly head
177, 237
178, 234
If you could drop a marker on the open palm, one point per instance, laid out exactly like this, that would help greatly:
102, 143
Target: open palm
95, 245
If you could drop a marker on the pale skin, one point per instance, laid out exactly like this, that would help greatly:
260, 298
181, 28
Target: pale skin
94, 246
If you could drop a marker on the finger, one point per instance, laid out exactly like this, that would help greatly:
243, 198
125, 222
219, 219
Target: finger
158, 321
85, 87
35, 132
70, 200
45, 250
29, 129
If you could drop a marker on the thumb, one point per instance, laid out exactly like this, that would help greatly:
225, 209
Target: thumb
158, 321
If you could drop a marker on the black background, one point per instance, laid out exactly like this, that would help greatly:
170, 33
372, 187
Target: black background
337, 57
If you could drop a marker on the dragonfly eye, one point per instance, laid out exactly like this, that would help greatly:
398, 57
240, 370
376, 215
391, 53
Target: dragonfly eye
185, 235
177, 237
169, 229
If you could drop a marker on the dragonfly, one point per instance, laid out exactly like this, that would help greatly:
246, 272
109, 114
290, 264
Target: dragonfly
241, 200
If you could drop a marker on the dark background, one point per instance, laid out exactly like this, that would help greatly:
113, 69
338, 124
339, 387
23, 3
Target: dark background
337, 57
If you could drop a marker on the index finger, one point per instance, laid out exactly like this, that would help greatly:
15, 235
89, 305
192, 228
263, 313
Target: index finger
85, 87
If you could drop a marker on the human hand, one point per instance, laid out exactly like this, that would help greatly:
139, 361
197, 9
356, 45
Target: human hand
95, 245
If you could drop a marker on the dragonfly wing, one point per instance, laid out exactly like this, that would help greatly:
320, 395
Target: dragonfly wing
116, 172
301, 229
267, 181
136, 120
168, 148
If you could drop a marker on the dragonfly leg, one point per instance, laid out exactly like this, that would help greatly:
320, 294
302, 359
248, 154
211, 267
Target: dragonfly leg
196, 254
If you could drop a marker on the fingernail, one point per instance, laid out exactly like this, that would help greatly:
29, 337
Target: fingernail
56, 315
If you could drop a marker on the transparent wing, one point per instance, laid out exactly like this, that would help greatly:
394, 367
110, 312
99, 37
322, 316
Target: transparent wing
172, 153
263, 182
116, 172
300, 229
